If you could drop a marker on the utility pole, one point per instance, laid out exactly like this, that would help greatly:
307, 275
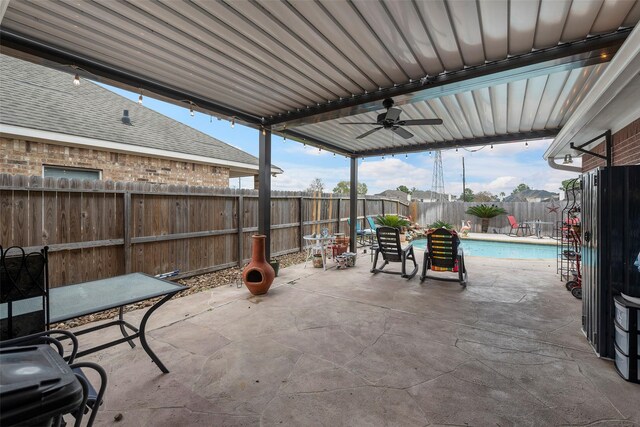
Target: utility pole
464, 195
437, 181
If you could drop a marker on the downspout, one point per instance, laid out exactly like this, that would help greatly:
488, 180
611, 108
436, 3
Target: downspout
552, 163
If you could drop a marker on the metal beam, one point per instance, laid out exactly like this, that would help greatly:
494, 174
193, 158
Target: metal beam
607, 142
26, 48
567, 56
353, 205
264, 189
459, 143
306, 139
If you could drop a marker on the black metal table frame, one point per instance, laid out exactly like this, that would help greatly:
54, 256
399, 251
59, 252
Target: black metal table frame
138, 332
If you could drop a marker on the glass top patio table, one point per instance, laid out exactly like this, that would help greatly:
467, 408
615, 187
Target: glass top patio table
73, 301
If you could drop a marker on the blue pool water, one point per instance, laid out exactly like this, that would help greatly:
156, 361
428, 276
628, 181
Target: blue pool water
501, 250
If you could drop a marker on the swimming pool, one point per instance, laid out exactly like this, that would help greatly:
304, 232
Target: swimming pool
509, 250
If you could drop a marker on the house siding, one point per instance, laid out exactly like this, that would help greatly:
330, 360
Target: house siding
625, 149
24, 157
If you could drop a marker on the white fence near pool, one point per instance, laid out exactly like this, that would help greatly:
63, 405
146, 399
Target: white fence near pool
425, 213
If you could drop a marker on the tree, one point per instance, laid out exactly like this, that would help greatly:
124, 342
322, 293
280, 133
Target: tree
502, 195
404, 189
484, 196
413, 190
520, 187
343, 188
467, 196
316, 185
569, 184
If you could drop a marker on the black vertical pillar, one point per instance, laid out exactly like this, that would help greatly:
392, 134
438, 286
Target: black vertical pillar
353, 204
264, 189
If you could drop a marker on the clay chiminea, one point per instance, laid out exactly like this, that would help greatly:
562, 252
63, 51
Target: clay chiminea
258, 274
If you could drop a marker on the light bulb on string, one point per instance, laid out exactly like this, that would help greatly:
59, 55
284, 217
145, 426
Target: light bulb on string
526, 144
140, 98
492, 146
191, 112
429, 153
233, 122
76, 80
406, 156
382, 157
264, 131
334, 154
456, 149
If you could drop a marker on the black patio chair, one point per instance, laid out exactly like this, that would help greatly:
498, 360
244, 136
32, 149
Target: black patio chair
443, 253
24, 316
392, 251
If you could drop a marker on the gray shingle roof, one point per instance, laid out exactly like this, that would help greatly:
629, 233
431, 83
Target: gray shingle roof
37, 97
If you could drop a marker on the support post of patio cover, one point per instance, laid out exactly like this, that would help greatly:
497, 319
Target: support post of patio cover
353, 204
264, 189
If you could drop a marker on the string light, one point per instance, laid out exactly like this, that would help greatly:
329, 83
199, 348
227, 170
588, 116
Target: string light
526, 144
264, 132
233, 122
76, 80
429, 153
319, 149
382, 157
492, 146
140, 98
191, 113
456, 149
334, 154
406, 156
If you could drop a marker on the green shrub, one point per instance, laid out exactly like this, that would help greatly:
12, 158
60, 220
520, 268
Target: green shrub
392, 221
441, 224
485, 211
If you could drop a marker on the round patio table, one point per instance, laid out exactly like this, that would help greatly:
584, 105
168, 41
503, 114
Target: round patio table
315, 245
537, 226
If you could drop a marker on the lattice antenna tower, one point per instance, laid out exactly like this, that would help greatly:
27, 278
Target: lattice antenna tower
437, 181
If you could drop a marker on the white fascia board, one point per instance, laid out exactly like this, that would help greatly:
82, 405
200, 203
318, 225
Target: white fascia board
13, 131
620, 72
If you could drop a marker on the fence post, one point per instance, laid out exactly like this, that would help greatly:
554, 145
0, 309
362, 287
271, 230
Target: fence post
338, 220
383, 207
240, 230
126, 221
300, 205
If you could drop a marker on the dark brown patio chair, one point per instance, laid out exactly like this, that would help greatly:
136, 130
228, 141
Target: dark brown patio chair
389, 246
444, 254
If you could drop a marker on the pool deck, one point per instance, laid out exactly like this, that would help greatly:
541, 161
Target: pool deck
350, 348
494, 237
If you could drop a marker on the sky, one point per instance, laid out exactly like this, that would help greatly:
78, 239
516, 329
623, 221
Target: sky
496, 170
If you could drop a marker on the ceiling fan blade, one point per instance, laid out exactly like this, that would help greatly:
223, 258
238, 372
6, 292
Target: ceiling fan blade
369, 132
420, 122
393, 114
402, 132
357, 123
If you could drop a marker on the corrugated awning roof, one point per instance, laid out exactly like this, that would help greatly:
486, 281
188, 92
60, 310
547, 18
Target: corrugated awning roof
295, 64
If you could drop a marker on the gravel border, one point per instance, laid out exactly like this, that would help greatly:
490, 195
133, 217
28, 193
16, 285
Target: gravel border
228, 276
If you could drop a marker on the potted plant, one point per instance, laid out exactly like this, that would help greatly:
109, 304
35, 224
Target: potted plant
275, 264
485, 213
394, 221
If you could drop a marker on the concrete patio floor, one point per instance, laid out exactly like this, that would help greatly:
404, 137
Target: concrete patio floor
345, 347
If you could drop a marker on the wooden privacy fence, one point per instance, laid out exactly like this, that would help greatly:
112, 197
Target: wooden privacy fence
98, 229
454, 213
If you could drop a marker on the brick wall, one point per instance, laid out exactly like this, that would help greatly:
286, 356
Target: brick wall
23, 157
625, 149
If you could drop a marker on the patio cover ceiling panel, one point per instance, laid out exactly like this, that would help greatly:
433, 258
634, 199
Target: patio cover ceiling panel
268, 59
535, 106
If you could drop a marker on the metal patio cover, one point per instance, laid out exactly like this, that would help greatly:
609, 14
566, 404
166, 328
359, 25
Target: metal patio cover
494, 71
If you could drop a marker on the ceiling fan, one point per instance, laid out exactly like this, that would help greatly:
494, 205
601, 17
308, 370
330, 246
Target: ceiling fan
391, 120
